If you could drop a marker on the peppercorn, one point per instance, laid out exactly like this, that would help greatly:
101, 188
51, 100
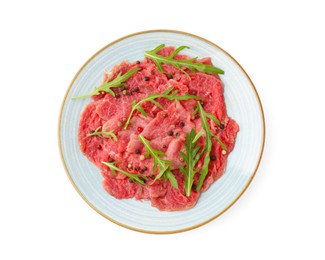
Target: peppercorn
110, 160
146, 78
137, 62
117, 95
176, 134
170, 133
169, 76
194, 187
99, 147
164, 146
137, 151
181, 124
222, 126
143, 179
136, 168
136, 89
213, 158
144, 168
164, 114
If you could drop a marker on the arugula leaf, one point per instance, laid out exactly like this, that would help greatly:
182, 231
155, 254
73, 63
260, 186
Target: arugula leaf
213, 118
168, 94
162, 164
207, 149
191, 158
139, 178
190, 63
103, 134
208, 146
117, 82
222, 144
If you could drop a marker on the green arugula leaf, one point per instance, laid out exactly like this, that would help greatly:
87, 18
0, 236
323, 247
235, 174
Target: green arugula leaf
222, 144
103, 134
139, 178
117, 82
213, 118
208, 146
191, 64
168, 94
159, 162
191, 158
207, 149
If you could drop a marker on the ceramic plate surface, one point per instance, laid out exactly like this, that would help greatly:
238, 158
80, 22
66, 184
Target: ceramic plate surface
243, 105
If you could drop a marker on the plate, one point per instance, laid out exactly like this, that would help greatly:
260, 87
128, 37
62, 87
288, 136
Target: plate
243, 104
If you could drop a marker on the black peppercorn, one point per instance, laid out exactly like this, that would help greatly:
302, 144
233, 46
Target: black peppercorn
136, 89
169, 76
143, 179
137, 62
117, 95
137, 151
222, 126
110, 160
212, 158
170, 133
146, 78
181, 124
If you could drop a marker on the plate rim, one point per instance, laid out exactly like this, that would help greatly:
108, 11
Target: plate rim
232, 202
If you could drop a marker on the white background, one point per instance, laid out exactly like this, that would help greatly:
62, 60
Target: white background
281, 46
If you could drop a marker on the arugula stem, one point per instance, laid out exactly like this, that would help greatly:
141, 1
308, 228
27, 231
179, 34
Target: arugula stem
189, 63
152, 98
119, 81
163, 164
139, 178
207, 149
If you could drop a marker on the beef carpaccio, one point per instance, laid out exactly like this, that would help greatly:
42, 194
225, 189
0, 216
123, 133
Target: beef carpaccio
164, 125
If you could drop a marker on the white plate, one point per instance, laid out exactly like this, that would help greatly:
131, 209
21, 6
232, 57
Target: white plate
243, 104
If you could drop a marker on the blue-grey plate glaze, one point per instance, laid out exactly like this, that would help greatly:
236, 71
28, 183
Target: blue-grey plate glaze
243, 105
